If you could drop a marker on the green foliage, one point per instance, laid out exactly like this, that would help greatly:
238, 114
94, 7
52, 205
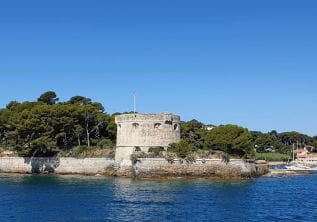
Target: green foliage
230, 139
81, 100
170, 157
136, 155
273, 156
156, 150
35, 128
80, 151
294, 137
105, 143
194, 133
225, 158
48, 97
85, 152
181, 149
40, 147
190, 158
266, 142
43, 127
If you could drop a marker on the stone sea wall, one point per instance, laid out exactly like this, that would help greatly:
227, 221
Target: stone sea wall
87, 166
159, 167
143, 167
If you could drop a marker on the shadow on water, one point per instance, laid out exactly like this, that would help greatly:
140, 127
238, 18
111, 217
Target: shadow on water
42, 165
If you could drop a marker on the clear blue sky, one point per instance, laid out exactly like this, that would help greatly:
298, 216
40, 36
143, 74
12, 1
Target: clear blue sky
252, 63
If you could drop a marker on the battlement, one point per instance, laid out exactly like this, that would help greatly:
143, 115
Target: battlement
147, 117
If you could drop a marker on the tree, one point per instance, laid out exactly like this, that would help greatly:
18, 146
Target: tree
79, 130
91, 120
12, 104
40, 147
194, 133
231, 139
294, 137
64, 125
79, 100
48, 97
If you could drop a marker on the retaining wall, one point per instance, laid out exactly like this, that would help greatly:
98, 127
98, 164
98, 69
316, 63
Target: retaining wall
54, 165
236, 168
143, 167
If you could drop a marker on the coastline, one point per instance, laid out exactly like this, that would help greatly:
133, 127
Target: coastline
142, 168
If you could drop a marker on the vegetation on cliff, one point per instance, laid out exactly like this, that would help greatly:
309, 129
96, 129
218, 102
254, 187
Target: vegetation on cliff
80, 127
46, 126
237, 141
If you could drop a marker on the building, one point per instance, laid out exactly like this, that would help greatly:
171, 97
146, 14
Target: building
139, 132
306, 152
208, 127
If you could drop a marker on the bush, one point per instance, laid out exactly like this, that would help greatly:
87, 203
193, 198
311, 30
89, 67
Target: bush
190, 158
156, 151
40, 147
105, 143
85, 152
181, 149
136, 155
170, 157
225, 158
80, 151
273, 156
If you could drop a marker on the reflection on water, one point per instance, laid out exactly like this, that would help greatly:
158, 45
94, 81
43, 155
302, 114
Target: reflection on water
81, 198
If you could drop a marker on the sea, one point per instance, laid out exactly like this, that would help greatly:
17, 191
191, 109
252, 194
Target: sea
98, 198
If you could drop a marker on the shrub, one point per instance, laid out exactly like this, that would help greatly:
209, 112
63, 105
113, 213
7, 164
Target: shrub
156, 151
190, 158
181, 149
40, 147
225, 158
80, 151
105, 143
136, 155
170, 157
273, 156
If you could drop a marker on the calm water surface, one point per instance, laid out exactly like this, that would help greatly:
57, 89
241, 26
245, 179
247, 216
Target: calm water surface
80, 198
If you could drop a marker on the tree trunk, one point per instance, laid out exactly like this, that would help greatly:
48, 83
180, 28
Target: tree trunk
88, 136
88, 139
79, 142
87, 129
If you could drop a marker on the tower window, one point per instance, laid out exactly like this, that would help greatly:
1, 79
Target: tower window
169, 122
175, 126
157, 125
135, 125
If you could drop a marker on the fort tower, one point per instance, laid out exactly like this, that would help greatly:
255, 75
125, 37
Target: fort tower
139, 132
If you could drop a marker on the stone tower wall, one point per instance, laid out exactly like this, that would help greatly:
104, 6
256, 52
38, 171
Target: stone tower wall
141, 131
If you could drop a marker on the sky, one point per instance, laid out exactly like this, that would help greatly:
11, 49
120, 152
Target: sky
251, 63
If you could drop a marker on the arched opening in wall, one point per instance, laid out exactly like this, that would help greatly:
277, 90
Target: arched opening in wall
135, 125
175, 126
157, 125
169, 122
119, 125
137, 149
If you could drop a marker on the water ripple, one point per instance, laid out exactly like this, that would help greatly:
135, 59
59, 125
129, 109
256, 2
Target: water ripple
80, 198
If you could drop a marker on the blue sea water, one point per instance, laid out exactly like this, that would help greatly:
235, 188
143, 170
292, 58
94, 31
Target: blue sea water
82, 198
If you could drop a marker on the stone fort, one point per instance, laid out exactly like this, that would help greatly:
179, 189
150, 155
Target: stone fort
139, 132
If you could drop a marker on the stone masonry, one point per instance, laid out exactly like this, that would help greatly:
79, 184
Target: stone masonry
139, 132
